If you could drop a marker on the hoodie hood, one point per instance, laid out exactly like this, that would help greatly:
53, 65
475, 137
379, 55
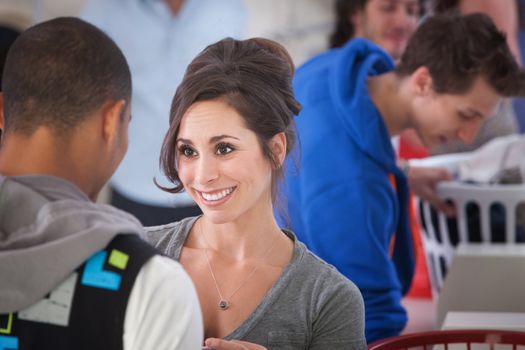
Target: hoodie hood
355, 62
48, 228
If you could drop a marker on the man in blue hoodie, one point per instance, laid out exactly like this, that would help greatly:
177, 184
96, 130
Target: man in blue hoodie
347, 199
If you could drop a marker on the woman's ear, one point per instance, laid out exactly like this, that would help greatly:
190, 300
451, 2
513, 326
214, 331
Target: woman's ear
278, 147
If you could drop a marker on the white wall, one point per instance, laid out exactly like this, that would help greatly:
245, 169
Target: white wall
302, 26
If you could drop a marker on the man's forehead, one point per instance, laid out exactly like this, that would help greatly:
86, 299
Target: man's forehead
401, 2
411, 5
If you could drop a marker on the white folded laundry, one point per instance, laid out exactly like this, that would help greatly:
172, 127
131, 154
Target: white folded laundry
501, 160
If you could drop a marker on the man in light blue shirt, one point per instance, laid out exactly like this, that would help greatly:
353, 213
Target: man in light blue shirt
159, 38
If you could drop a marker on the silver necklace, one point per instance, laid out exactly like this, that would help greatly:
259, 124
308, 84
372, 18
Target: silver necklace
224, 303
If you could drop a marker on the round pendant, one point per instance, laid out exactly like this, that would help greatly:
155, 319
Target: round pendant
224, 305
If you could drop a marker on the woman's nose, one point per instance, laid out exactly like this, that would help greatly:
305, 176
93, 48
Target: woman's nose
206, 170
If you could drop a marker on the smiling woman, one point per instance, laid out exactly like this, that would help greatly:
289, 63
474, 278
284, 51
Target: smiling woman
221, 163
231, 128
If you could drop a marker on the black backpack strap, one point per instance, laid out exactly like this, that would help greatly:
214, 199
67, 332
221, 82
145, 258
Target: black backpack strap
102, 286
123, 257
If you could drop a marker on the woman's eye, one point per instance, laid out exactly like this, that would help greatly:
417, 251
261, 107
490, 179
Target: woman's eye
186, 151
224, 149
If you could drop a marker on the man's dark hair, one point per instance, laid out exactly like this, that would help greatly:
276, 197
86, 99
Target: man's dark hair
344, 28
59, 72
252, 76
458, 49
442, 6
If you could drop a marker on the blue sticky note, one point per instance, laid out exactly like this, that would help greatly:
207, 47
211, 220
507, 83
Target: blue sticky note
95, 276
8, 343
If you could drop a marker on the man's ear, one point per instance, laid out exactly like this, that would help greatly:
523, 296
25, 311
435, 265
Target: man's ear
278, 147
421, 81
111, 119
2, 111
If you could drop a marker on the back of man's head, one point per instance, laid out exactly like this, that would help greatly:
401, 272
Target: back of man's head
59, 72
458, 49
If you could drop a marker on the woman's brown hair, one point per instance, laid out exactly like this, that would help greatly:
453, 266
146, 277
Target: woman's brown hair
252, 76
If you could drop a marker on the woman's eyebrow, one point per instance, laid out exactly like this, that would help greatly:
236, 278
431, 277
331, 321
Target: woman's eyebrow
184, 141
213, 139
221, 137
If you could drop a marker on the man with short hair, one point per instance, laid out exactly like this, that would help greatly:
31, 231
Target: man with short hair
347, 200
388, 23
76, 274
505, 17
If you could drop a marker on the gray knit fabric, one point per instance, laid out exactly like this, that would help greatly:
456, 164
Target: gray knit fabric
310, 306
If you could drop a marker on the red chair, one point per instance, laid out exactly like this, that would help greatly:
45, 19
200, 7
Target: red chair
427, 340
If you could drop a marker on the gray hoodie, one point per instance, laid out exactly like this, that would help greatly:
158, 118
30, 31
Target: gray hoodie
48, 228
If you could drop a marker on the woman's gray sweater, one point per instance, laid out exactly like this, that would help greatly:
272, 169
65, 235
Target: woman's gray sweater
310, 306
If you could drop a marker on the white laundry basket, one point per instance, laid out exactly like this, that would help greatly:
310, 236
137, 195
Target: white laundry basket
487, 214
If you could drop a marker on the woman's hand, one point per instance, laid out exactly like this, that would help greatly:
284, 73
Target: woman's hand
221, 344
